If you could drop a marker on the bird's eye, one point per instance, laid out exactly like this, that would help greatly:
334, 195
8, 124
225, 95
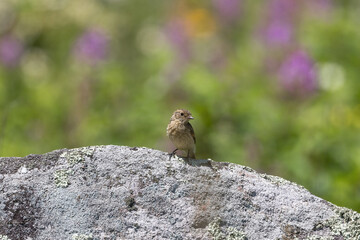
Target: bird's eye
182, 114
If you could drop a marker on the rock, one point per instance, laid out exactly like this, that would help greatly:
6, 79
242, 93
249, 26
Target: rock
115, 192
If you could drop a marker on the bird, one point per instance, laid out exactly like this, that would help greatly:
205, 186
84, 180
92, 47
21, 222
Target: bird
181, 133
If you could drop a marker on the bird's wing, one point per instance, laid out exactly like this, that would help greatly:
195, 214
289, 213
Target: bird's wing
192, 131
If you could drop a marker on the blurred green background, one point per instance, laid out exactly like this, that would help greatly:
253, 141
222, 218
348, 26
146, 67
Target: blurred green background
273, 85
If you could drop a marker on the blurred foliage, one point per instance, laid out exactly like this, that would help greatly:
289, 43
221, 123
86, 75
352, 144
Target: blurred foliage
272, 85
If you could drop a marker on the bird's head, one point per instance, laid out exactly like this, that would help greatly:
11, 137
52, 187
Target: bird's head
182, 115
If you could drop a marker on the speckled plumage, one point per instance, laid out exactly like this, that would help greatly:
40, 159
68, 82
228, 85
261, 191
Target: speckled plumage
181, 133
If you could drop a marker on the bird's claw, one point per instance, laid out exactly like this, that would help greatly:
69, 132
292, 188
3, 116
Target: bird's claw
172, 154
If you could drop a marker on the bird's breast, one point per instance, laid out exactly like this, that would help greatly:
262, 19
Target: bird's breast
180, 136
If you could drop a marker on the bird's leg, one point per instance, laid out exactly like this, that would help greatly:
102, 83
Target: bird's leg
173, 153
188, 156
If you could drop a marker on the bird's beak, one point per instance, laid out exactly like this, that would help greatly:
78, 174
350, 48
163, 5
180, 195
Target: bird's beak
190, 117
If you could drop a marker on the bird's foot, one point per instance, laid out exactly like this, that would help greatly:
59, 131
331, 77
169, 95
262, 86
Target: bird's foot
172, 154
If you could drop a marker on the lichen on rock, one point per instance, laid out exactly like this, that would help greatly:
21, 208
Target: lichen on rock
61, 178
118, 192
78, 155
230, 233
347, 224
3, 237
77, 236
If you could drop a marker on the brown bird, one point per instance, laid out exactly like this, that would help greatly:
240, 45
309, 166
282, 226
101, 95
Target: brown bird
181, 133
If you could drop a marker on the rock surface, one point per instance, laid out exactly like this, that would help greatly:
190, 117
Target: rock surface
116, 192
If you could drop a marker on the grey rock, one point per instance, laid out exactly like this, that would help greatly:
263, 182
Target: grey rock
116, 192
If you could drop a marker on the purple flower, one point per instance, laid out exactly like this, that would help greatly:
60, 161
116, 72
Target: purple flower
278, 33
282, 9
297, 74
91, 47
11, 50
228, 10
279, 27
178, 37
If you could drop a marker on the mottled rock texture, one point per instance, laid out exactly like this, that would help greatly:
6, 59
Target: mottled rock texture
117, 192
